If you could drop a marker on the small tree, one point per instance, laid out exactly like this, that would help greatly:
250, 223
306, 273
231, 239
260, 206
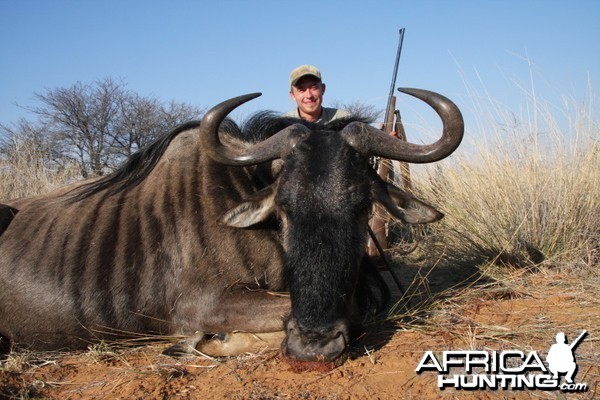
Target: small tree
97, 125
79, 119
144, 119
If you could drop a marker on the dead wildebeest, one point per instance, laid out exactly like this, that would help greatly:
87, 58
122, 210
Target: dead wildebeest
194, 233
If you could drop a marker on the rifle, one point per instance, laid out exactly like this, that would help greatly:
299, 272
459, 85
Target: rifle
391, 103
392, 123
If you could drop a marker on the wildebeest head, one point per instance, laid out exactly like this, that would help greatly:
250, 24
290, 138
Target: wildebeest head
323, 196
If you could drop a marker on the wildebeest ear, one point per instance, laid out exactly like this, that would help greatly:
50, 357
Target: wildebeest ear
251, 211
405, 206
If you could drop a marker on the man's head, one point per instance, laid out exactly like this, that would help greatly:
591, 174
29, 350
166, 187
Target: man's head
307, 89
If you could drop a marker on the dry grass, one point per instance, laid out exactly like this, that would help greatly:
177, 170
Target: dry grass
23, 173
521, 190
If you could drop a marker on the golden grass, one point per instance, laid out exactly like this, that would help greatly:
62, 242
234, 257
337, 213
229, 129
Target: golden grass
519, 192
24, 174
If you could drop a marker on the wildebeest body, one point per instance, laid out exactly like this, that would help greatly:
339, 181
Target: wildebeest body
116, 261
181, 239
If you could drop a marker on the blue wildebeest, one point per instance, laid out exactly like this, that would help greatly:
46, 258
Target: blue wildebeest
194, 234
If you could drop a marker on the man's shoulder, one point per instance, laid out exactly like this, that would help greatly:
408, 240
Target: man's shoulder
337, 112
291, 114
330, 114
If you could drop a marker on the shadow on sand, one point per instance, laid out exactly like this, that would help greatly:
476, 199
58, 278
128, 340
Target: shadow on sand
421, 287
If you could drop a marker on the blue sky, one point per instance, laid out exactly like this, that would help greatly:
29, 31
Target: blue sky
203, 52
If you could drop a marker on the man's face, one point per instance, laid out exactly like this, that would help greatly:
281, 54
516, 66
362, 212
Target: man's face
308, 94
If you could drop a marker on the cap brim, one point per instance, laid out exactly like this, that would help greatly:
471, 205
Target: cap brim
295, 81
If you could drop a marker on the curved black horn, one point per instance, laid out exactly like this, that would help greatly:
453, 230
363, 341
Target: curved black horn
378, 143
266, 150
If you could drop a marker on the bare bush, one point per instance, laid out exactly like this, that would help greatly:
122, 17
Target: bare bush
96, 126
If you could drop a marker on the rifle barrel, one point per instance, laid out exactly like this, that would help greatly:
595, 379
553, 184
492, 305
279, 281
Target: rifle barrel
395, 74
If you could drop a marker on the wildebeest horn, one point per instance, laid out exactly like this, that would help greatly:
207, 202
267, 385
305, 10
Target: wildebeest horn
266, 150
368, 139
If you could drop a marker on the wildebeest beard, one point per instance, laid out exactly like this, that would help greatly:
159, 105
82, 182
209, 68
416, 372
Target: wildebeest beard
324, 195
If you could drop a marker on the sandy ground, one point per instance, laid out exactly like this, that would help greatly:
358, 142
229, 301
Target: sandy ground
382, 364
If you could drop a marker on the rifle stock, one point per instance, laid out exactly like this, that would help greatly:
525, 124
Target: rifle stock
383, 170
404, 166
388, 126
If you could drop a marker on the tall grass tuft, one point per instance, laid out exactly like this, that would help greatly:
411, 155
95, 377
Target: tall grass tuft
522, 190
25, 173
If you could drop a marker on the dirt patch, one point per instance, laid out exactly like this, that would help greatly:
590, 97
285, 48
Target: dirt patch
382, 365
146, 374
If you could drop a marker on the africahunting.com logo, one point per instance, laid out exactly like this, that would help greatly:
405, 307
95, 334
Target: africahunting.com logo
509, 369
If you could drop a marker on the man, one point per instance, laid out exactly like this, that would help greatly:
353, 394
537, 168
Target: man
307, 90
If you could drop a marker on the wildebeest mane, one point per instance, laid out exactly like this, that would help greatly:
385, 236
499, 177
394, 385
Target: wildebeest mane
258, 127
265, 124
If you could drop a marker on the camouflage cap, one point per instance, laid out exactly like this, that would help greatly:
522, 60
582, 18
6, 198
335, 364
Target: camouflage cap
302, 71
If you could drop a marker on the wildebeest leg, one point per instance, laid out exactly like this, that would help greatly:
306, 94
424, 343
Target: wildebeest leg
239, 318
236, 343
226, 344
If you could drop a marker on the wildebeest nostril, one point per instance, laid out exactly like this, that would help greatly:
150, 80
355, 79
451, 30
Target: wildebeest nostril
314, 345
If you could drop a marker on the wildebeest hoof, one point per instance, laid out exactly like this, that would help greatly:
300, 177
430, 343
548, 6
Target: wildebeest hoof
222, 336
186, 346
178, 350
